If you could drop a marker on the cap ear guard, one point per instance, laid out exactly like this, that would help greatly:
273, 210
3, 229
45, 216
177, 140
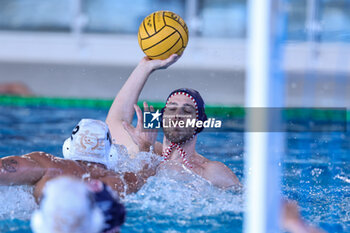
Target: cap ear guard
113, 209
66, 148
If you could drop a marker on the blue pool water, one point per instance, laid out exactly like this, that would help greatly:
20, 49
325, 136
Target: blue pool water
316, 173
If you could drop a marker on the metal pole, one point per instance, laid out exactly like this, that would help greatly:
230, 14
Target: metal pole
264, 89
192, 16
79, 22
313, 28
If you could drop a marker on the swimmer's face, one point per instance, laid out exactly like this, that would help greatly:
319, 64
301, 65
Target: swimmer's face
179, 110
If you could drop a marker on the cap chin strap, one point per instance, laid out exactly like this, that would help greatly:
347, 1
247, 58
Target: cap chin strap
170, 148
182, 152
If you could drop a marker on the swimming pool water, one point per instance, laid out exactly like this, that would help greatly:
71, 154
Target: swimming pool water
315, 167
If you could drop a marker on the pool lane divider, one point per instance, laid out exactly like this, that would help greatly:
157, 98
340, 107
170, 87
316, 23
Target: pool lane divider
211, 110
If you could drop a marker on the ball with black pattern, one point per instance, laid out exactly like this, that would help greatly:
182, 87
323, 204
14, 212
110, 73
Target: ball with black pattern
162, 34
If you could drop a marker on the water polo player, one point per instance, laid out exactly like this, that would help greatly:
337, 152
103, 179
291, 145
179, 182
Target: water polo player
88, 154
72, 206
178, 147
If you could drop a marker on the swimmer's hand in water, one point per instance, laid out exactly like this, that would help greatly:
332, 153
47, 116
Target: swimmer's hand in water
293, 222
144, 138
159, 64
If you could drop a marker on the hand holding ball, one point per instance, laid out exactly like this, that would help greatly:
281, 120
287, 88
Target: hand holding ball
162, 34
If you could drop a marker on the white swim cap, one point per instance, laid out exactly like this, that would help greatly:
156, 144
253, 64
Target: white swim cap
67, 207
90, 141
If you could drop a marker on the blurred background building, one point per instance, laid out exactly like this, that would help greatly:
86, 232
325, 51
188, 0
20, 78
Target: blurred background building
87, 48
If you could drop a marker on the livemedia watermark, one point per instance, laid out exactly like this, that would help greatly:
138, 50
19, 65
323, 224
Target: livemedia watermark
261, 120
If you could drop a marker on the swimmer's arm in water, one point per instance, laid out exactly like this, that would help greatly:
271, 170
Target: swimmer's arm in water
20, 170
122, 108
220, 175
292, 220
136, 181
129, 180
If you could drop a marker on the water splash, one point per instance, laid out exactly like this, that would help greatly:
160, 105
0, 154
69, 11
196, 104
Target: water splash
124, 163
177, 190
184, 193
343, 178
17, 202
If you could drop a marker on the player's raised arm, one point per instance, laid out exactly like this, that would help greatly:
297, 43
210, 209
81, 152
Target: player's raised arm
122, 108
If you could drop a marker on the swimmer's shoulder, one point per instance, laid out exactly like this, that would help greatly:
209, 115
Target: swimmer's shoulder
46, 159
39, 155
216, 166
201, 160
219, 174
210, 164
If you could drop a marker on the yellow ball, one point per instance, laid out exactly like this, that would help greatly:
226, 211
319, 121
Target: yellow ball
162, 34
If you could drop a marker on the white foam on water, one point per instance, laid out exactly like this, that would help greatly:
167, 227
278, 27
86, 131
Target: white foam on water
124, 163
168, 193
184, 193
176, 191
17, 202
343, 178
